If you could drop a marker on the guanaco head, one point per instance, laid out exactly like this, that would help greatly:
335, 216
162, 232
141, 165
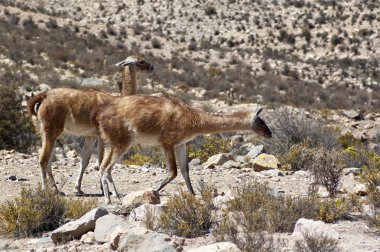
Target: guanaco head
139, 62
259, 126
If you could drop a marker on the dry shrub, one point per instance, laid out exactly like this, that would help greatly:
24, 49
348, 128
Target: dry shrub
140, 155
290, 129
16, 129
150, 221
37, 210
76, 208
205, 147
186, 215
31, 213
371, 177
326, 167
256, 210
298, 157
316, 243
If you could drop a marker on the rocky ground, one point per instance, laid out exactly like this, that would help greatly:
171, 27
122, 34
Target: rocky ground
223, 171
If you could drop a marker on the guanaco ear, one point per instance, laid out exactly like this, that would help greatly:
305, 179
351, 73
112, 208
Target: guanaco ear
126, 62
258, 112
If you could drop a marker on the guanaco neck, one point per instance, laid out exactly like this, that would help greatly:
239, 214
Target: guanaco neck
128, 86
209, 123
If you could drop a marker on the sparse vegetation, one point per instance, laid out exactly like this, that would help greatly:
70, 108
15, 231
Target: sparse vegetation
290, 129
139, 155
256, 210
34, 211
186, 215
16, 128
316, 243
326, 167
205, 147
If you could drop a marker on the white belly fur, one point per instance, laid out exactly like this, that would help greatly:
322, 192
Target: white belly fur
79, 130
146, 139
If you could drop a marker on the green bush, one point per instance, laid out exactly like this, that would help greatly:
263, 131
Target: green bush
34, 211
16, 129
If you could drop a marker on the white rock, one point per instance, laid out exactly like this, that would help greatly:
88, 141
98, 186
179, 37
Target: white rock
217, 247
138, 241
217, 159
88, 238
314, 228
75, 229
140, 213
231, 164
137, 198
254, 152
109, 224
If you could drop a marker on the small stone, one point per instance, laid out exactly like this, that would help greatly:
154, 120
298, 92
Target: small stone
12, 178
254, 152
355, 171
353, 114
88, 238
217, 247
217, 159
138, 198
231, 164
272, 173
360, 189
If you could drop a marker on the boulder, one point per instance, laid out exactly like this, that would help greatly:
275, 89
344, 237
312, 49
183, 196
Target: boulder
137, 198
312, 227
217, 247
151, 241
217, 159
254, 152
140, 213
265, 162
109, 224
75, 229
